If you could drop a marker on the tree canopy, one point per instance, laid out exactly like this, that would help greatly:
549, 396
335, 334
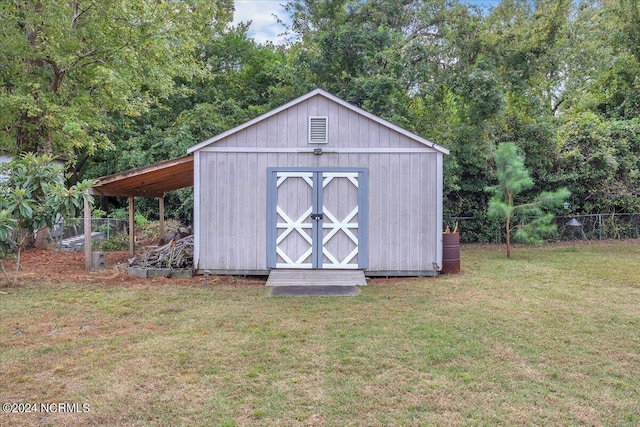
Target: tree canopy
558, 78
66, 67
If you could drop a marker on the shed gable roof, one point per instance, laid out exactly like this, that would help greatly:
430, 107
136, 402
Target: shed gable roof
331, 97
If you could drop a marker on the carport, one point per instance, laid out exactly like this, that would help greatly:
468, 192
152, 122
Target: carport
148, 181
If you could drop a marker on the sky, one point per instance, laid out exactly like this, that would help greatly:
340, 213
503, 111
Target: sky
264, 26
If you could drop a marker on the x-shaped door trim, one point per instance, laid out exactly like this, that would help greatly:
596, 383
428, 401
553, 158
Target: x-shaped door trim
318, 219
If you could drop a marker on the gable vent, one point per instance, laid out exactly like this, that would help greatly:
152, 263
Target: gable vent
318, 127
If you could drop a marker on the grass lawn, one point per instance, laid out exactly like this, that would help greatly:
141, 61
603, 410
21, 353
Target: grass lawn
549, 337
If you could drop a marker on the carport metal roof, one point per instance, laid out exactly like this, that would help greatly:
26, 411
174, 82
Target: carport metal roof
147, 181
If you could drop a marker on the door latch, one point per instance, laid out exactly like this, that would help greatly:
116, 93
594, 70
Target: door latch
317, 216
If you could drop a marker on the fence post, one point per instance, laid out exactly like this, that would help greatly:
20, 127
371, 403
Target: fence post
87, 235
132, 228
600, 225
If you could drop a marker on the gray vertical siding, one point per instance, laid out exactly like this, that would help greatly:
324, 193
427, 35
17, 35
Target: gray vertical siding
347, 129
403, 198
402, 208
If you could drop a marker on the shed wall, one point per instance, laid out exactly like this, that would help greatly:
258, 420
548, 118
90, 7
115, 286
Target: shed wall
231, 200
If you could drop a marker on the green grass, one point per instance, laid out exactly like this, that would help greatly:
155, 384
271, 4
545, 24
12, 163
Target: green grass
549, 337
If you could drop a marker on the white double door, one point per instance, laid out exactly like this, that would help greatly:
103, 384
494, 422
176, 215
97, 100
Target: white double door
319, 220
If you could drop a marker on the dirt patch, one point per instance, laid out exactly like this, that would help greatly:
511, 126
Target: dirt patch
59, 266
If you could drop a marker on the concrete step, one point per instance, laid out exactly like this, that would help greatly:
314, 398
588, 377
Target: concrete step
314, 291
283, 277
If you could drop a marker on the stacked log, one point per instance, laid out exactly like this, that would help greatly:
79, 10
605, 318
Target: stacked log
176, 254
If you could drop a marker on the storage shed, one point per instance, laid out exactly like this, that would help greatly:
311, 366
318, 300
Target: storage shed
318, 184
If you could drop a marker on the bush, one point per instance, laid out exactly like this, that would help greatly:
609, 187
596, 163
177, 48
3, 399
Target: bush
119, 242
120, 213
140, 220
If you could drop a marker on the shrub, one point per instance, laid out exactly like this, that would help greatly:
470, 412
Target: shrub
140, 220
119, 242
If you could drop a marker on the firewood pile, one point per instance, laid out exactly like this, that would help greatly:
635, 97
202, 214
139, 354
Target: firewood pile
176, 254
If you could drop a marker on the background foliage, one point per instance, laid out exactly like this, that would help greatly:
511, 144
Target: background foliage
559, 78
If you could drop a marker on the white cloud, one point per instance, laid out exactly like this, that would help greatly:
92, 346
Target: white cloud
264, 26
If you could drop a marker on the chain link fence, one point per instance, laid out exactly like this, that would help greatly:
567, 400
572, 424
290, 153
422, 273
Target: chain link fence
588, 227
69, 235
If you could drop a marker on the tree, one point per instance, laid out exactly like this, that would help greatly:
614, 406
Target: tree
238, 87
33, 198
354, 49
7, 228
65, 65
598, 129
600, 162
513, 179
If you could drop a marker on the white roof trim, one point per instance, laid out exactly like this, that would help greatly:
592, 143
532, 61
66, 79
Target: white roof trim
332, 98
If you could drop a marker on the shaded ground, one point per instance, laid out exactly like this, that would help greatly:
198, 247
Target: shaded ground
60, 266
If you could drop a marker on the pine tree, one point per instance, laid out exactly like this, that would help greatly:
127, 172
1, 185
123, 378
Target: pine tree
513, 179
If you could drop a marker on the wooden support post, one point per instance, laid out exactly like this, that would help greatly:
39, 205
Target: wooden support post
161, 214
132, 229
87, 235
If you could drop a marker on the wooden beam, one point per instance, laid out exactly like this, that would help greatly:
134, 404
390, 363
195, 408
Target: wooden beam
99, 191
87, 235
161, 214
132, 229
